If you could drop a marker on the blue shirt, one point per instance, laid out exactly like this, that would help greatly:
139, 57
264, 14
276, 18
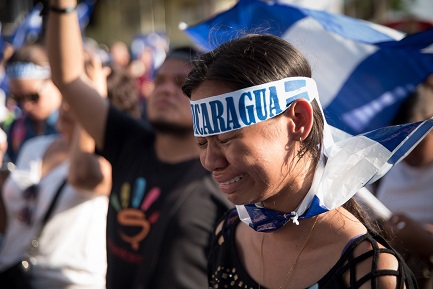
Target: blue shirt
22, 129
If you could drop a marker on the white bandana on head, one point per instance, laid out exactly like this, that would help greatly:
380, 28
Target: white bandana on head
346, 165
244, 107
21, 70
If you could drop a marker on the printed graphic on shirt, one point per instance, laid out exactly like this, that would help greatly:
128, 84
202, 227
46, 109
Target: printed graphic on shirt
131, 211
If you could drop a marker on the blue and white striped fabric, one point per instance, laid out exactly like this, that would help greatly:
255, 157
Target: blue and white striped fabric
3, 79
363, 70
360, 160
31, 27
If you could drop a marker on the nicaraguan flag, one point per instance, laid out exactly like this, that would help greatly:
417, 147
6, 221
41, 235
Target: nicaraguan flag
363, 70
31, 27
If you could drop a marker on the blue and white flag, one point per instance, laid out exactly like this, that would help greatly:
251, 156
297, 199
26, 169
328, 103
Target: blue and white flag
84, 10
363, 70
3, 79
31, 27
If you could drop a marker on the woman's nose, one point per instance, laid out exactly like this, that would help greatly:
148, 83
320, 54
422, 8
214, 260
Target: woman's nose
213, 158
27, 105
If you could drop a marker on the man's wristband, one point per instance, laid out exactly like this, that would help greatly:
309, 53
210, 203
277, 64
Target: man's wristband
66, 10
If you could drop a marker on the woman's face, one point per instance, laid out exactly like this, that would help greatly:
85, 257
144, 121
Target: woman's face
251, 164
38, 98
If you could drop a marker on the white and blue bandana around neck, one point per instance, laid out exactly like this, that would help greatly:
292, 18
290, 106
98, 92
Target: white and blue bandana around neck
348, 163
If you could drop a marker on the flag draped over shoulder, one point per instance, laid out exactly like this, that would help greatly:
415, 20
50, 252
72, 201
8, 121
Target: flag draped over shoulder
363, 70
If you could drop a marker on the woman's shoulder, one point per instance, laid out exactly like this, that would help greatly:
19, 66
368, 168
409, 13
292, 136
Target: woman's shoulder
34, 148
361, 258
368, 261
38, 143
226, 224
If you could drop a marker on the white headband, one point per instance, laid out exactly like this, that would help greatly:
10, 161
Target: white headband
248, 106
20, 70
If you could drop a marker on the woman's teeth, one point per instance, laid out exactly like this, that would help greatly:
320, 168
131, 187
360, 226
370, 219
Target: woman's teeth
234, 180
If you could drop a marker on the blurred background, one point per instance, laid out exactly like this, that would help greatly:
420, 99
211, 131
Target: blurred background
124, 19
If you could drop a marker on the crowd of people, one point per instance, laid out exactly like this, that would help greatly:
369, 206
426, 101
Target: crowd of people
135, 172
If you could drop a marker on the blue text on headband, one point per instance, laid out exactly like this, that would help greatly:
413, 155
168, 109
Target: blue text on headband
234, 110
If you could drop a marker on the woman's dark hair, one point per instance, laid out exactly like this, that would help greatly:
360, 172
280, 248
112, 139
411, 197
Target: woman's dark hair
257, 59
252, 60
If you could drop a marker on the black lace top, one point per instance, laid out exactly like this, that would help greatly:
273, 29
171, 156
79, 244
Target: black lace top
226, 271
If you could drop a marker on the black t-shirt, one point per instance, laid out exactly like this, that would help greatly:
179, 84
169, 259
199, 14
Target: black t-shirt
141, 187
226, 271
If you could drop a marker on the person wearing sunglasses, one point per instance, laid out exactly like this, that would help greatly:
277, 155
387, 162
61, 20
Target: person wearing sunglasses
70, 250
34, 93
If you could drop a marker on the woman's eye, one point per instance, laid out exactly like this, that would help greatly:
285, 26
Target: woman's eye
201, 144
227, 137
223, 141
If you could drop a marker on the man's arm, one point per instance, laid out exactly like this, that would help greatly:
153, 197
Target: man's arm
65, 50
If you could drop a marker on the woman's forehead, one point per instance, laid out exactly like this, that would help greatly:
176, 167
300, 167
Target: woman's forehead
209, 88
24, 84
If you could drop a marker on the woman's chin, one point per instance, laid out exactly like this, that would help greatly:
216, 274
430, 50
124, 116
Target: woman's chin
238, 200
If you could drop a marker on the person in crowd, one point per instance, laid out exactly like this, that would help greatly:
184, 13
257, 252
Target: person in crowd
119, 54
122, 91
87, 174
142, 70
71, 246
6, 116
35, 94
261, 132
407, 191
163, 204
4, 173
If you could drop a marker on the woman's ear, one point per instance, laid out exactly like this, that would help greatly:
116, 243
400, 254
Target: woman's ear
300, 113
